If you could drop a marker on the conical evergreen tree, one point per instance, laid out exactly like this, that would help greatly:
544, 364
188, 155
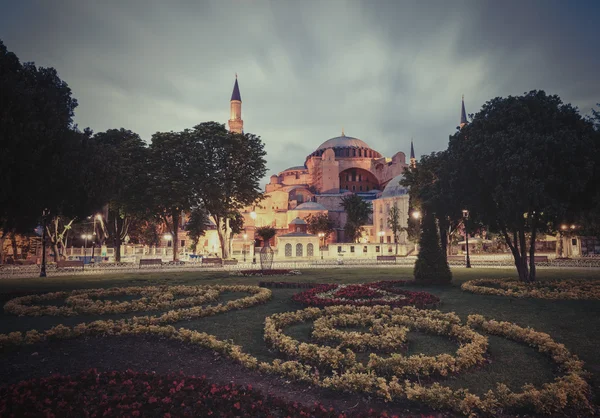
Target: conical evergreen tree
431, 266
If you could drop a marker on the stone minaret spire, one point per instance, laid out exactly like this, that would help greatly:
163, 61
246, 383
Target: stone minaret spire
413, 160
463, 114
236, 124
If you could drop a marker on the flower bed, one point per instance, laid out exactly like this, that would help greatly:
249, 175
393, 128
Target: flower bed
554, 289
132, 394
287, 285
389, 330
85, 302
260, 273
367, 294
390, 377
153, 298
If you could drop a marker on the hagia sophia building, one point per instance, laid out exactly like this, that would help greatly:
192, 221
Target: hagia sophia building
338, 167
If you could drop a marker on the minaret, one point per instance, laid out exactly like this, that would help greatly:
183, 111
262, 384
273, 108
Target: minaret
413, 160
463, 114
236, 124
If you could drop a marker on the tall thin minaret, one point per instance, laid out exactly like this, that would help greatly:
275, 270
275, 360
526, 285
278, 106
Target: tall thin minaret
236, 124
413, 159
463, 114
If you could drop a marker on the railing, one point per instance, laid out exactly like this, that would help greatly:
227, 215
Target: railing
23, 271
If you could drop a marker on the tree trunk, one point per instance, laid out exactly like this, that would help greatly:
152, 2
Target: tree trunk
13, 241
443, 227
514, 248
175, 219
2, 238
222, 233
55, 249
532, 269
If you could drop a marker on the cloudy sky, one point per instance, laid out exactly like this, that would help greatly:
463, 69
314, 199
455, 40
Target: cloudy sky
385, 71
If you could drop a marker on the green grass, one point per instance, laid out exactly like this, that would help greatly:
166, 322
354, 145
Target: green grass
573, 323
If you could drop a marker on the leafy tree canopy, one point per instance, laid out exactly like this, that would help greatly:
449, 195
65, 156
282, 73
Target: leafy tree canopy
320, 223
522, 166
357, 211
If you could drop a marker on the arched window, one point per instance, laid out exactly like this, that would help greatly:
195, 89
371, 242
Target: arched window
288, 250
354, 152
360, 153
309, 249
298, 250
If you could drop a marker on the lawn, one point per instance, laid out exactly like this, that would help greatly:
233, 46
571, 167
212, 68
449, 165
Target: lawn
573, 323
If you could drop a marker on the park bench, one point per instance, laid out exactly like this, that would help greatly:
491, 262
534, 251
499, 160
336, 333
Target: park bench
150, 262
230, 262
69, 264
213, 261
539, 259
386, 258
456, 258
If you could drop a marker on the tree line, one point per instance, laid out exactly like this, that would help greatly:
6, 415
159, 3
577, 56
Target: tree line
54, 174
522, 167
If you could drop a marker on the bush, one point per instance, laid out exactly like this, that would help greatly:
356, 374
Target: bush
431, 266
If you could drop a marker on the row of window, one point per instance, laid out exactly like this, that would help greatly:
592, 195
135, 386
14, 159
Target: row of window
347, 152
360, 188
300, 250
366, 248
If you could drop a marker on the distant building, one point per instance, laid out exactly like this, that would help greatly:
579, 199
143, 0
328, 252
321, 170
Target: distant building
339, 166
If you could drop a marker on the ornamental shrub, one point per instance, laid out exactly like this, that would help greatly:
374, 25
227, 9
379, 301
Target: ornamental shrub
431, 266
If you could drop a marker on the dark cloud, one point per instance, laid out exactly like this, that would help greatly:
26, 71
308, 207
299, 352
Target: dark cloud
385, 71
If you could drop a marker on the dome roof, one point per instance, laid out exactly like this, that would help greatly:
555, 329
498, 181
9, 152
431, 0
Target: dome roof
310, 206
295, 168
343, 142
394, 188
298, 221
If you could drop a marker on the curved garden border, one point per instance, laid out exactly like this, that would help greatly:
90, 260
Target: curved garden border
555, 289
366, 294
567, 393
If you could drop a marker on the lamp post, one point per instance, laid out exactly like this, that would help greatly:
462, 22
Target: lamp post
45, 213
85, 237
466, 218
253, 216
321, 237
244, 247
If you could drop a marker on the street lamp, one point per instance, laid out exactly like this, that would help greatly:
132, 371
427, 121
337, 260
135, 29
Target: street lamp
321, 237
381, 234
466, 218
244, 247
45, 214
416, 214
85, 237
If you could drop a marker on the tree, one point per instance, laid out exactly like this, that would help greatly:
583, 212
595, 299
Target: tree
522, 166
171, 191
320, 223
431, 184
431, 266
39, 141
224, 174
266, 233
394, 224
196, 225
126, 162
358, 212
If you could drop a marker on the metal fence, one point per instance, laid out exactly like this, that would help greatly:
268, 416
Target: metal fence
15, 271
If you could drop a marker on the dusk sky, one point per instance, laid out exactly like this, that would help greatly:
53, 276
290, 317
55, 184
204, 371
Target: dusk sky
385, 71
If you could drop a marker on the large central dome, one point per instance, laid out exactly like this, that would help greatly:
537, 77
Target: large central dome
343, 142
346, 147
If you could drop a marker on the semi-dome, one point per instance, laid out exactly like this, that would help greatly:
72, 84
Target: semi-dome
294, 168
310, 206
394, 188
